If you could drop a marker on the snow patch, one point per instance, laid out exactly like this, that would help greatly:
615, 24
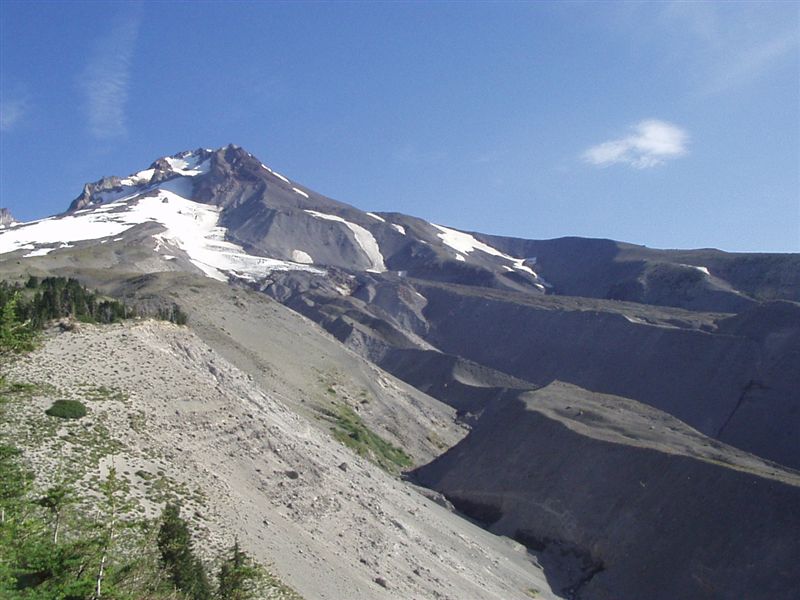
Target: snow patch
344, 291
703, 270
466, 243
363, 237
299, 256
38, 252
109, 196
189, 165
399, 228
635, 320
279, 176
139, 178
301, 192
181, 186
377, 217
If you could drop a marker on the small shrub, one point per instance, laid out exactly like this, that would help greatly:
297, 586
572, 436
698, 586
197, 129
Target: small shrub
67, 409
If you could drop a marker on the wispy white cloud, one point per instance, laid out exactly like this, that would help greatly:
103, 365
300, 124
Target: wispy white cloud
105, 82
412, 154
650, 143
751, 64
12, 112
732, 45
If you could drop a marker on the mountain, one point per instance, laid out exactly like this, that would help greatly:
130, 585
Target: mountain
573, 394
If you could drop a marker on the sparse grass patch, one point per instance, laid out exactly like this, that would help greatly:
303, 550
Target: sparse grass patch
67, 409
437, 442
351, 430
137, 421
96, 393
142, 474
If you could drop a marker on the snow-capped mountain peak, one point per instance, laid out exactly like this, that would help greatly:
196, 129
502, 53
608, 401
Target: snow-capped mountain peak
109, 189
228, 214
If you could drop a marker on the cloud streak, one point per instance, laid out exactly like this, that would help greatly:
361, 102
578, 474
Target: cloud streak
105, 83
12, 111
650, 144
733, 48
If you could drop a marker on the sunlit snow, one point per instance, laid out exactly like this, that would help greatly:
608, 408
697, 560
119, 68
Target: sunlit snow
302, 257
139, 178
465, 243
279, 176
188, 226
39, 252
377, 217
364, 238
399, 228
133, 185
301, 192
703, 270
190, 165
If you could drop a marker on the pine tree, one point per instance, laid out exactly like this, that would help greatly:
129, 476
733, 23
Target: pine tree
237, 577
175, 544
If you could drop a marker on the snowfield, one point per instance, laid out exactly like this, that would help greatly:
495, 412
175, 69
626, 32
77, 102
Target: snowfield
189, 165
364, 238
188, 226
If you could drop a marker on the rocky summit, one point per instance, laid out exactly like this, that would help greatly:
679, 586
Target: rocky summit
377, 406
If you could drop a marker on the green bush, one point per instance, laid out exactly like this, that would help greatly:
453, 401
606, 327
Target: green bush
67, 409
354, 433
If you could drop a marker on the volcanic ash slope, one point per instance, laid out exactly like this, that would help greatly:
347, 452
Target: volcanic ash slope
642, 505
331, 524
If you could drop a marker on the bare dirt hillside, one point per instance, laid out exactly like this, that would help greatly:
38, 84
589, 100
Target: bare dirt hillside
176, 418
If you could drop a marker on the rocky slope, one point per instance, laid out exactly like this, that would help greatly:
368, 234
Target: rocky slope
640, 505
332, 524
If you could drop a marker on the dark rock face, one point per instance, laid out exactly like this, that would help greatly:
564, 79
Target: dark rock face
731, 386
90, 191
631, 502
732, 378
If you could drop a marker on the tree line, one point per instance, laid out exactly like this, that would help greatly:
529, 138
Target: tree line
26, 309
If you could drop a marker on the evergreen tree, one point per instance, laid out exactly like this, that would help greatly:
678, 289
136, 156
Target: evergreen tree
175, 544
238, 576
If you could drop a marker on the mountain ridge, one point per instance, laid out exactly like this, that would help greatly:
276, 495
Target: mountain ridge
474, 325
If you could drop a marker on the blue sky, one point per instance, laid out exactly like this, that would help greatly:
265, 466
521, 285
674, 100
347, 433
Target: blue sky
674, 125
